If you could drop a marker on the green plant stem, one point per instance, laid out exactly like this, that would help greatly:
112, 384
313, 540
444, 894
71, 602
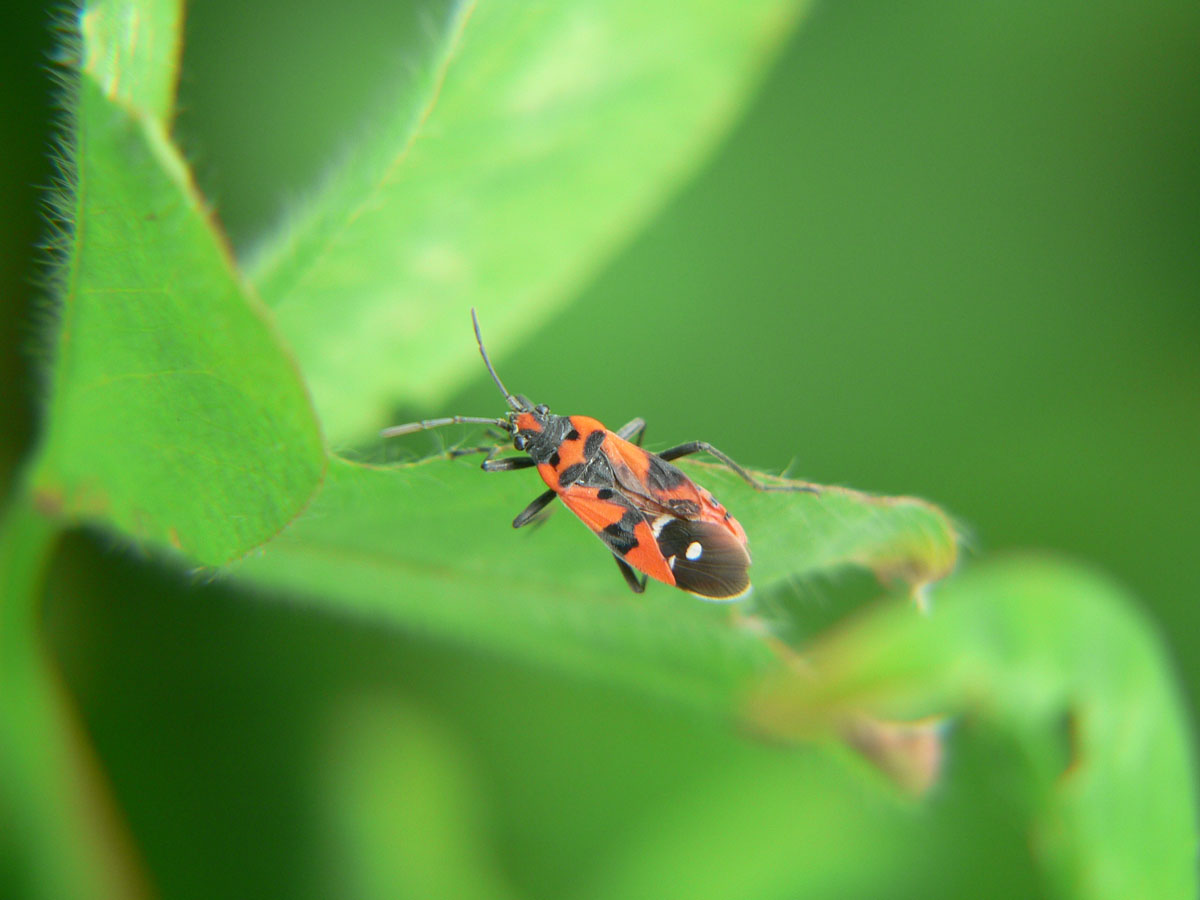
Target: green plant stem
57, 835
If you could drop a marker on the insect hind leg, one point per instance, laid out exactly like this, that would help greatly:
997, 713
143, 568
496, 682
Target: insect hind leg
633, 427
705, 447
635, 584
529, 513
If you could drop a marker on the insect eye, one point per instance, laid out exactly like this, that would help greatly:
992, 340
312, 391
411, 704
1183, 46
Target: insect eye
519, 442
541, 409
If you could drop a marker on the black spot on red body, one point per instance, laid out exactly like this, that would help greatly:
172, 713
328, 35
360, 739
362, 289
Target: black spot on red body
619, 535
570, 474
620, 540
604, 494
554, 459
594, 442
573, 435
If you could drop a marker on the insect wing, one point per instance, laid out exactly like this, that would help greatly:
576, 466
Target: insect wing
656, 486
654, 482
619, 523
706, 558
702, 544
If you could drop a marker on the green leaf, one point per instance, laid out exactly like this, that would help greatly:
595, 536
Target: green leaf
902, 540
546, 135
1057, 659
430, 546
131, 49
174, 414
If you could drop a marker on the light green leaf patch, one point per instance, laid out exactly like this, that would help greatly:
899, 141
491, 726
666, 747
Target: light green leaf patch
548, 133
174, 412
131, 50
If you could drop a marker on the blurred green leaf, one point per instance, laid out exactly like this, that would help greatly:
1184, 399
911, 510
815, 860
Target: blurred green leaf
402, 808
430, 546
174, 412
1058, 659
776, 827
59, 835
530, 142
546, 134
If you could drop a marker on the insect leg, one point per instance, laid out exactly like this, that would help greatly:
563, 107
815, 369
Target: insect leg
636, 426
456, 452
631, 579
491, 464
704, 447
529, 512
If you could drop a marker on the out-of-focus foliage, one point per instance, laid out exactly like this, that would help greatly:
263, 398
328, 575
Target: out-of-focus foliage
901, 267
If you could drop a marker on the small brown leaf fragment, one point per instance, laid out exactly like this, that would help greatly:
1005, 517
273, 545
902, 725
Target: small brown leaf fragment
910, 754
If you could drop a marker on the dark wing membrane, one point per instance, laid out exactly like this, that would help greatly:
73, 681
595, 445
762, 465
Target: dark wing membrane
643, 475
659, 488
705, 558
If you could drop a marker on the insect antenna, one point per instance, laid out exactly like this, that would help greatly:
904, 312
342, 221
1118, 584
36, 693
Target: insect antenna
513, 402
519, 403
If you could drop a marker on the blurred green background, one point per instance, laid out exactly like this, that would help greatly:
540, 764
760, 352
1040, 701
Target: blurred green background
950, 250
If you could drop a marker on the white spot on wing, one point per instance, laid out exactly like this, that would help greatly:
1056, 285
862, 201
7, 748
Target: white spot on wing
659, 524
693, 550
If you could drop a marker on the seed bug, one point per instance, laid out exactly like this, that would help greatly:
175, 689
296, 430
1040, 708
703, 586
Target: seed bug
650, 515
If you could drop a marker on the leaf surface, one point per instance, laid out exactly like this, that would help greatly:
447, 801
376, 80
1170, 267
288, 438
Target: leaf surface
174, 413
430, 546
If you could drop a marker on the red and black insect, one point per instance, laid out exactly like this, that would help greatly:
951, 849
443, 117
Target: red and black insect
647, 512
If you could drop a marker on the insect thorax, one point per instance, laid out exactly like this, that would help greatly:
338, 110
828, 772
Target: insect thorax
541, 434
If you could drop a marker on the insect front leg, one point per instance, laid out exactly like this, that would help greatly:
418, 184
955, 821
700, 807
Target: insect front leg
491, 464
635, 426
635, 584
530, 512
704, 447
